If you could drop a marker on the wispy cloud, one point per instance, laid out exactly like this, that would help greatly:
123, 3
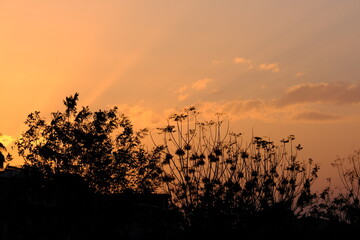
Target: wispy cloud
258, 109
329, 93
244, 61
216, 62
140, 115
316, 116
183, 97
187, 91
299, 74
239, 60
236, 109
181, 89
292, 106
273, 67
201, 84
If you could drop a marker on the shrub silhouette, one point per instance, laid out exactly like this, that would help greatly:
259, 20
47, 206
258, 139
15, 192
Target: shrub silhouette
218, 181
99, 146
349, 172
344, 207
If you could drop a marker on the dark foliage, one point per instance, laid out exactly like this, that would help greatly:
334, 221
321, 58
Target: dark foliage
100, 146
88, 175
342, 207
220, 183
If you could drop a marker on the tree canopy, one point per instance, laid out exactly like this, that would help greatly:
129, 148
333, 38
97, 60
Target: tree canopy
100, 146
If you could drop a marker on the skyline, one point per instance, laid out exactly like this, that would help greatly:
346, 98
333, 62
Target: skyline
275, 67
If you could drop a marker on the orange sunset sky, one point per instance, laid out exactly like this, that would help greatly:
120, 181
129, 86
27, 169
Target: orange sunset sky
276, 67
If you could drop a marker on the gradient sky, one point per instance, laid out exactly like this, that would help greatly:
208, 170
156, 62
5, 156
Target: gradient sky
276, 67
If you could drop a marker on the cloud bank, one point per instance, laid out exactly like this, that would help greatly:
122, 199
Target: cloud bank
325, 93
316, 116
299, 103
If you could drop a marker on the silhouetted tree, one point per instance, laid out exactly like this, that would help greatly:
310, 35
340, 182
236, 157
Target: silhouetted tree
216, 180
101, 146
3, 158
